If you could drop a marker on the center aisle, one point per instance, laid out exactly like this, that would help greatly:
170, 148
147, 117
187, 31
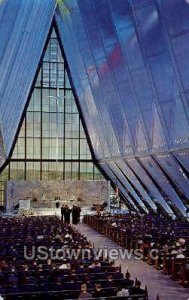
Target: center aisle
156, 282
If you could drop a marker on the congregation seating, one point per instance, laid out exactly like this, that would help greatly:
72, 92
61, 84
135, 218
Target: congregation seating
167, 238
27, 273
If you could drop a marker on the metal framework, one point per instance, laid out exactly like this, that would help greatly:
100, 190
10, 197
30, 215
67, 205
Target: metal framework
51, 142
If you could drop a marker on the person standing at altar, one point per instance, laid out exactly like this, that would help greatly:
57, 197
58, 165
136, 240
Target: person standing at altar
74, 215
78, 211
67, 213
63, 213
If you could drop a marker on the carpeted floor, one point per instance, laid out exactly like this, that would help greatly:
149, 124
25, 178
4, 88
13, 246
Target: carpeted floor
156, 282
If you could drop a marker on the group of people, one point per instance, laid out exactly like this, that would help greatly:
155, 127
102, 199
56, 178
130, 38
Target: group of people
66, 213
149, 234
127, 288
72, 277
149, 229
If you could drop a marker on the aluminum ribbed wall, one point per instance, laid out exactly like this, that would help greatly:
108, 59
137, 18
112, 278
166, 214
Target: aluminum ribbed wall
129, 64
24, 26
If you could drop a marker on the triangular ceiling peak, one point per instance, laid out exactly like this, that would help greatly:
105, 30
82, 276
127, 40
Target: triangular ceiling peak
52, 130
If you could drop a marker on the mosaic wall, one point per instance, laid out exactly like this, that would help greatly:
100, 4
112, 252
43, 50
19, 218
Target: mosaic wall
43, 193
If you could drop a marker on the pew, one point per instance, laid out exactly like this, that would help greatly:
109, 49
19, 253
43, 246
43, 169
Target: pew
176, 268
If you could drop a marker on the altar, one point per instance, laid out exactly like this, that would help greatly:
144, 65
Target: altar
52, 194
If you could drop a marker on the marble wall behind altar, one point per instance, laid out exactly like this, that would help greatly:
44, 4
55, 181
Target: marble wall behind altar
43, 193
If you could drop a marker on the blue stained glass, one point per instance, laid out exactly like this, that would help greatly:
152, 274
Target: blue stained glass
128, 61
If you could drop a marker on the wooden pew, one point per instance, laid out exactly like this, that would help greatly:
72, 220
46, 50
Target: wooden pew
185, 274
177, 266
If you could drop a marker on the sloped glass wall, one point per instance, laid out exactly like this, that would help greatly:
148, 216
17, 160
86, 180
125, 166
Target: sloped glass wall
129, 65
52, 143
